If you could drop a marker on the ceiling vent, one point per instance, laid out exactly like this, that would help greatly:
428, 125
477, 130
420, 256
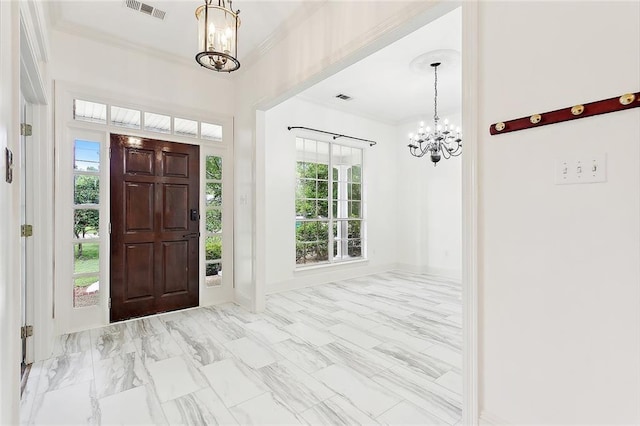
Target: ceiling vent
145, 8
343, 97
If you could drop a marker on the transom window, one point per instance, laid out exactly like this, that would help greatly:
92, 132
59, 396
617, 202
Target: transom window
131, 118
329, 203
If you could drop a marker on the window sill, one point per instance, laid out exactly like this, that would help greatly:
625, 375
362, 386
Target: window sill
321, 266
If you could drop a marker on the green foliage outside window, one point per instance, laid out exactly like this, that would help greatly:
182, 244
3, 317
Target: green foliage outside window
213, 248
87, 191
312, 193
213, 167
312, 242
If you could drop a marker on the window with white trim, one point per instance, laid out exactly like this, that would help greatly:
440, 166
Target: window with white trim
329, 203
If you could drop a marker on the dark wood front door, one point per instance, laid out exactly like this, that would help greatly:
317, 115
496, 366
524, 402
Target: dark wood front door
154, 226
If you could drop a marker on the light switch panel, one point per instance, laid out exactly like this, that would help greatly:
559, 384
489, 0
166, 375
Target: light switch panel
587, 169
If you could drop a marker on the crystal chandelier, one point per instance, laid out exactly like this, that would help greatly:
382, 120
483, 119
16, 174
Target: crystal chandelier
443, 141
218, 36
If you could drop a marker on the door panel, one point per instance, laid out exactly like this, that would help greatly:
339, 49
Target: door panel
176, 165
154, 238
139, 161
175, 256
175, 207
139, 206
138, 271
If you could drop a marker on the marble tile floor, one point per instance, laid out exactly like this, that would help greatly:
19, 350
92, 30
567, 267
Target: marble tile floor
380, 349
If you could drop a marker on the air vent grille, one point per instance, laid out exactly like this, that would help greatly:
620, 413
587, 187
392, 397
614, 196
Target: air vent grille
147, 9
157, 13
343, 97
133, 4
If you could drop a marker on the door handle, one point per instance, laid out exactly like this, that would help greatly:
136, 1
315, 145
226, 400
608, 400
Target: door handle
192, 235
194, 215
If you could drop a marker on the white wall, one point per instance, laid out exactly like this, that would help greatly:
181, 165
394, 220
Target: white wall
380, 183
560, 279
108, 67
9, 215
430, 209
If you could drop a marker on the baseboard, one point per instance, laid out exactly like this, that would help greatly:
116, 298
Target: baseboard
243, 301
491, 420
405, 267
446, 273
453, 274
221, 301
319, 276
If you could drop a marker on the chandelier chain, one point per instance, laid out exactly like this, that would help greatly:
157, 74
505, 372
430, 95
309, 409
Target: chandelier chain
435, 97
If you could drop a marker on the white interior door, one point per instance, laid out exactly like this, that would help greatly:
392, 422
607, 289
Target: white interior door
26, 249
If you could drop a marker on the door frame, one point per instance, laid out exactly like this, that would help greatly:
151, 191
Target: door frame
36, 90
69, 319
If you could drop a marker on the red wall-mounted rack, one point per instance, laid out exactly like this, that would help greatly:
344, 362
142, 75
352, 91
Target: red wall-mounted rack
626, 101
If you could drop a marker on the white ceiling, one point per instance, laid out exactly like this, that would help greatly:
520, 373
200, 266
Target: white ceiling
382, 85
176, 35
385, 88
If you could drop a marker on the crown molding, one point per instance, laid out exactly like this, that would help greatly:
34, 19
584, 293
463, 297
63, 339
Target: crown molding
115, 41
118, 42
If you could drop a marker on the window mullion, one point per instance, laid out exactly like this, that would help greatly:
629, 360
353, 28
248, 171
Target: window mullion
331, 255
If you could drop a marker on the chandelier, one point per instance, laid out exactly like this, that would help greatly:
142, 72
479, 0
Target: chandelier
443, 141
218, 36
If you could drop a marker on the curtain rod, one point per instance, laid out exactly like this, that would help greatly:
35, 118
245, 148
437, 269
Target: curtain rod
335, 135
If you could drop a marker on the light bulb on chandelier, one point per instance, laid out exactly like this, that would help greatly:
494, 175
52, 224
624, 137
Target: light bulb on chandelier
444, 141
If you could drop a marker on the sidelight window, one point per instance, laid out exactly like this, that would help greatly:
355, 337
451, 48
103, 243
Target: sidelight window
213, 221
86, 223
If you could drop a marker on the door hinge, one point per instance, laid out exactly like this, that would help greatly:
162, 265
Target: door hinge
26, 129
26, 331
26, 230
109, 303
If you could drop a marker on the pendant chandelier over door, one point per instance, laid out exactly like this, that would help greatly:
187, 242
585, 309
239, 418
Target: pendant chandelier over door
218, 36
441, 141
